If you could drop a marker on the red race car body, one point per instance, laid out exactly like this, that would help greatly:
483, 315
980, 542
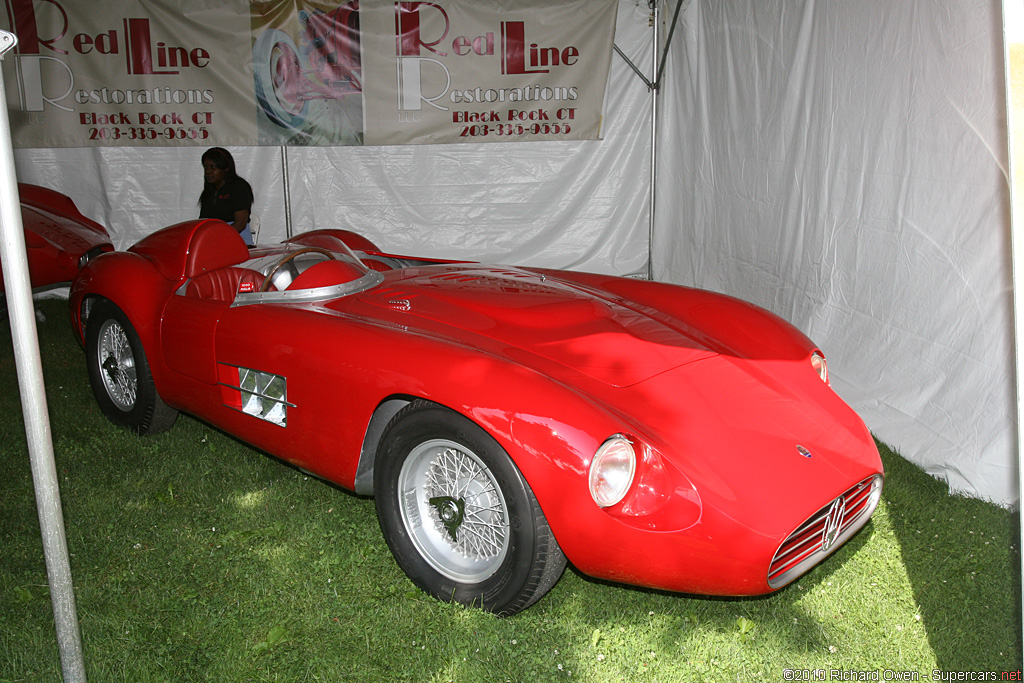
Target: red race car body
58, 238
505, 418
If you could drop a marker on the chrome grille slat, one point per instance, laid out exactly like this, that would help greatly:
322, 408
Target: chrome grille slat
796, 545
802, 549
799, 548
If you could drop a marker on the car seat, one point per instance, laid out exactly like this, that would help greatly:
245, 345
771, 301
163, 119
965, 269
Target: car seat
224, 284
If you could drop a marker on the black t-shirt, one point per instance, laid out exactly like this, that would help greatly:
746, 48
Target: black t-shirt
235, 195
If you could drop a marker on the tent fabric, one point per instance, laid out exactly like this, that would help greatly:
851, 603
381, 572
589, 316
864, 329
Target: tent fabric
844, 165
581, 205
841, 164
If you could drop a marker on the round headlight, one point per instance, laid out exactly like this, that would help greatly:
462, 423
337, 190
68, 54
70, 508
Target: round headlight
612, 470
84, 259
820, 366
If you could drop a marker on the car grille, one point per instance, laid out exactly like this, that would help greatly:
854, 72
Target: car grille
825, 531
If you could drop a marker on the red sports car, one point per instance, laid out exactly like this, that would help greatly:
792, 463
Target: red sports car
505, 418
58, 238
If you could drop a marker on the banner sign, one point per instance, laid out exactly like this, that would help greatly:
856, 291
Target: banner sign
305, 72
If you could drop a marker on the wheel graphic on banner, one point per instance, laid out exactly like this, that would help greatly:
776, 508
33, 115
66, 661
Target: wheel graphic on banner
278, 76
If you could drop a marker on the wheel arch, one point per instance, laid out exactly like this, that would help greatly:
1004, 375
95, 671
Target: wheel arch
544, 448
106, 278
379, 420
375, 428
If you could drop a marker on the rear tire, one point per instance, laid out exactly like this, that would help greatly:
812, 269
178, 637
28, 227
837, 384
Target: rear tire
458, 515
119, 373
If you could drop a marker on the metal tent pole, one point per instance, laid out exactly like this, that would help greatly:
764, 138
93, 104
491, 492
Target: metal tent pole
287, 193
657, 69
654, 145
33, 400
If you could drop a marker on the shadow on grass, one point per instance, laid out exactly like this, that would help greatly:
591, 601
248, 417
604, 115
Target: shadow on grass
963, 561
206, 560
783, 605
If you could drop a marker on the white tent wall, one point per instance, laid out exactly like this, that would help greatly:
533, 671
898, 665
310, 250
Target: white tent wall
843, 164
576, 205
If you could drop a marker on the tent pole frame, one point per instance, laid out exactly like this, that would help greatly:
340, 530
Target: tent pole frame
33, 401
654, 139
657, 68
288, 230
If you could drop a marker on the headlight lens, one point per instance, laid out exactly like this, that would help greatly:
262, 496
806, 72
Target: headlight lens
84, 259
820, 366
612, 470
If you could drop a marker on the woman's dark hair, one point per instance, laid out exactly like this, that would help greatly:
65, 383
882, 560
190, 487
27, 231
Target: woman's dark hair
222, 159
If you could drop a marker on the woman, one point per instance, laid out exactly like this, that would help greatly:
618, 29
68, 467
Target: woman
225, 195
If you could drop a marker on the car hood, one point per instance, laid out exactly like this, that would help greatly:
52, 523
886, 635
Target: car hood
690, 388
527, 312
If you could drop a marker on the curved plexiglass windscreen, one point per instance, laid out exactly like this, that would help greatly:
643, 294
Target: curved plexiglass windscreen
302, 273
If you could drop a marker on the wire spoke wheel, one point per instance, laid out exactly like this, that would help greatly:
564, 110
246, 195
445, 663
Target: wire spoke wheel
119, 372
458, 515
117, 363
454, 511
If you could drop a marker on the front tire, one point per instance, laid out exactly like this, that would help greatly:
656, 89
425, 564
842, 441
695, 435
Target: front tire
119, 373
459, 517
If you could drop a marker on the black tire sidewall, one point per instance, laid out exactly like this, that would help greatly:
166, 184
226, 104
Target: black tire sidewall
409, 429
140, 416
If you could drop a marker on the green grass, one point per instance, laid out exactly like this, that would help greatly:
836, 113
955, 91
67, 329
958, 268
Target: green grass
197, 558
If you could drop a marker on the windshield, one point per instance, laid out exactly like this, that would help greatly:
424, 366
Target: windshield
293, 272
